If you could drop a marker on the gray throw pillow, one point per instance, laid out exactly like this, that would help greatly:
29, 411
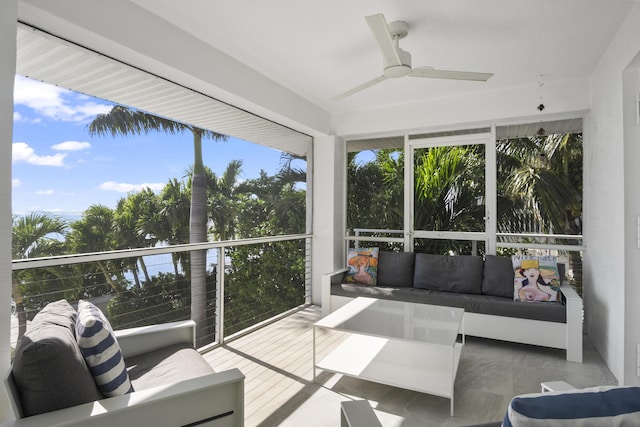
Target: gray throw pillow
460, 273
395, 268
48, 369
498, 276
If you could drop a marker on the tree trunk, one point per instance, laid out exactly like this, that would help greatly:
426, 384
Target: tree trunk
143, 267
136, 278
107, 276
198, 234
174, 259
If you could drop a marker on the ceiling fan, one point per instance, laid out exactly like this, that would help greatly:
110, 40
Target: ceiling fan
397, 62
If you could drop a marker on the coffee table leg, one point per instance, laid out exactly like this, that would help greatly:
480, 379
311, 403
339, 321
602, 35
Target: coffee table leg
314, 354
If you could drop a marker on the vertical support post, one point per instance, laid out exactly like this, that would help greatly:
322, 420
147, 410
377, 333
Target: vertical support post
220, 296
491, 193
314, 354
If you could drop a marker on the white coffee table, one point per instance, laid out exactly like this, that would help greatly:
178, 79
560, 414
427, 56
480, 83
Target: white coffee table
408, 345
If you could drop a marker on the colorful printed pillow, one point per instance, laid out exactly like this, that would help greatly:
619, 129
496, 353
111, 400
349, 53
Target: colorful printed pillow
363, 266
536, 278
101, 351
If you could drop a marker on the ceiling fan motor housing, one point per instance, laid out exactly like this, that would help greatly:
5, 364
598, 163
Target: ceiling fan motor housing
399, 70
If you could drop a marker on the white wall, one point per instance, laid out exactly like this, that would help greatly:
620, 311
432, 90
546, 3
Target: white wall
328, 204
631, 89
7, 72
611, 302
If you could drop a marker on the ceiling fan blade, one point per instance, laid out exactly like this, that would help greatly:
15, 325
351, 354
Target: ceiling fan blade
359, 88
449, 74
380, 30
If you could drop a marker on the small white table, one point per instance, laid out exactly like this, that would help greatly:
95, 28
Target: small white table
358, 413
407, 345
555, 386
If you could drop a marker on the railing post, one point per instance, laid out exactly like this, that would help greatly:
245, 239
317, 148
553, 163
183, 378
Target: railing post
220, 296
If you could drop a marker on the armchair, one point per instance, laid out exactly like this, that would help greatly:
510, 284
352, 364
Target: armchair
174, 386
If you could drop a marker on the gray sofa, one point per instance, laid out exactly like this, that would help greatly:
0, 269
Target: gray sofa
482, 286
50, 384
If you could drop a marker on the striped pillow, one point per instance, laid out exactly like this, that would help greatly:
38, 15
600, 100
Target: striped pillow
588, 407
101, 351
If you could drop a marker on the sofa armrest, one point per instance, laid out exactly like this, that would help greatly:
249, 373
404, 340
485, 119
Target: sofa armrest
573, 304
143, 339
190, 402
327, 280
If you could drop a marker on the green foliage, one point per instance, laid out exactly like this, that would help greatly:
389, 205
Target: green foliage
164, 299
263, 281
266, 206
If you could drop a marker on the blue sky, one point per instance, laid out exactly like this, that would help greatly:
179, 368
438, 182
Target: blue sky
57, 167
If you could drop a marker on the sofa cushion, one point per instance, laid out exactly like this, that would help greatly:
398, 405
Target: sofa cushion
101, 351
48, 369
395, 268
497, 279
472, 303
461, 273
167, 365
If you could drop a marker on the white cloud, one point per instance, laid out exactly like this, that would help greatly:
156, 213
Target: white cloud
17, 116
71, 146
44, 192
15, 182
122, 187
23, 153
54, 102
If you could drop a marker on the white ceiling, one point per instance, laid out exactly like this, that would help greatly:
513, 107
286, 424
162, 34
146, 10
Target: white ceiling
319, 49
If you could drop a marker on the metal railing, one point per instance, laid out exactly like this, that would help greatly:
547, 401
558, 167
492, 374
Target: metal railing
249, 282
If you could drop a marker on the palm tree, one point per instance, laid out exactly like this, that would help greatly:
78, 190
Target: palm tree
33, 235
136, 220
540, 185
174, 214
222, 199
94, 233
125, 121
534, 175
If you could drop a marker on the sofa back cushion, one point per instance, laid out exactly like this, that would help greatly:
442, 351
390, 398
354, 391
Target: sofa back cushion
395, 268
461, 273
498, 276
48, 369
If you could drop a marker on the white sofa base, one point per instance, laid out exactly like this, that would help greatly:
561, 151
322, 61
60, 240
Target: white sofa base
566, 336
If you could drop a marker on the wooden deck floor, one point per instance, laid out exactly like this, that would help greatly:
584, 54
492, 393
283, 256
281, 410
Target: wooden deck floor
279, 387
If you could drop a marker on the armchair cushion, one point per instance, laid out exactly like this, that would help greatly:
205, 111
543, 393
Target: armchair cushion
167, 365
101, 351
48, 368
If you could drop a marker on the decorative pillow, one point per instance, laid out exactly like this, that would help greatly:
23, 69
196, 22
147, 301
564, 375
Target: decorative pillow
363, 266
101, 351
536, 279
48, 369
